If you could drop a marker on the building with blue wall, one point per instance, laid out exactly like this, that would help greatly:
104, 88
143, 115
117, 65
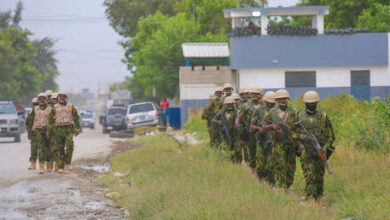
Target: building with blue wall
356, 63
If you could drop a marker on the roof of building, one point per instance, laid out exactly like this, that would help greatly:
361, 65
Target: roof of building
363, 49
205, 50
279, 11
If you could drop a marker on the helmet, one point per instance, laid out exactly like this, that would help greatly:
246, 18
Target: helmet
310, 97
62, 92
212, 96
282, 93
229, 100
257, 90
218, 89
34, 100
227, 85
243, 90
236, 96
54, 96
49, 92
269, 97
42, 95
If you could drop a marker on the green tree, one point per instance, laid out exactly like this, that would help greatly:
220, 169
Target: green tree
376, 18
124, 14
46, 63
343, 13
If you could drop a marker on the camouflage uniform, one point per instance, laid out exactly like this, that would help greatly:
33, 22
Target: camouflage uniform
33, 146
208, 114
313, 167
248, 139
215, 138
62, 133
230, 117
282, 161
39, 119
262, 152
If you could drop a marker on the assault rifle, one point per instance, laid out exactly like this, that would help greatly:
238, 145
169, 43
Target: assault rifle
317, 147
225, 128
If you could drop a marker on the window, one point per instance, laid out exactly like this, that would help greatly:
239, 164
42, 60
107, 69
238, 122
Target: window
141, 108
300, 79
120, 111
7, 109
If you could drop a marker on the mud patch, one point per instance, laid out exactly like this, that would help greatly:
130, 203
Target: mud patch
56, 198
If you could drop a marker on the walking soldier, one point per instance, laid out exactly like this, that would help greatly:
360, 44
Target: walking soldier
33, 146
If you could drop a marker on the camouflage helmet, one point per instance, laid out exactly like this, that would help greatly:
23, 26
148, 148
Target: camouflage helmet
228, 100
269, 97
282, 93
243, 90
218, 89
227, 86
62, 92
212, 96
49, 92
236, 96
256, 90
42, 95
34, 100
310, 97
54, 96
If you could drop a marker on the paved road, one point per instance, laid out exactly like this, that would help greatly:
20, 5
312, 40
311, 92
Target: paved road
72, 195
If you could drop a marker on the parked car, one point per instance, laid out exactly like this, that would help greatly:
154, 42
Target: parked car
9, 121
87, 120
142, 114
115, 119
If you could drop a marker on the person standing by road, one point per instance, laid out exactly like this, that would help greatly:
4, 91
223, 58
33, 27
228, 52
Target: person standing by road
63, 124
33, 147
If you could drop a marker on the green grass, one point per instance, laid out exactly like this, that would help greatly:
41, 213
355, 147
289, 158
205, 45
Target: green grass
193, 182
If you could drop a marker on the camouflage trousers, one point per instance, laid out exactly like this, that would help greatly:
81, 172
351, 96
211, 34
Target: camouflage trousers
237, 151
40, 145
262, 155
252, 150
63, 139
52, 149
33, 149
313, 171
215, 136
282, 164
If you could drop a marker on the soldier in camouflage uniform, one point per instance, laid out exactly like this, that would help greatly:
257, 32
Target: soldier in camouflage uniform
281, 121
227, 91
208, 114
215, 138
263, 150
247, 139
317, 123
63, 124
228, 116
49, 94
33, 146
39, 118
237, 100
53, 147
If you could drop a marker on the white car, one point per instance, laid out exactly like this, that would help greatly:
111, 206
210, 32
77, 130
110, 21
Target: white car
142, 114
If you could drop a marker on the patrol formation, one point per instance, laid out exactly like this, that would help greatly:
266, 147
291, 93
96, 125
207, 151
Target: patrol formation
51, 125
267, 133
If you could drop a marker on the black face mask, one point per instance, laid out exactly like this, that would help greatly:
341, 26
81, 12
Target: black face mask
283, 107
311, 107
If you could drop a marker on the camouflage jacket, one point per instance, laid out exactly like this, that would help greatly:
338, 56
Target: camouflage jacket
320, 126
247, 111
286, 120
208, 111
75, 117
230, 118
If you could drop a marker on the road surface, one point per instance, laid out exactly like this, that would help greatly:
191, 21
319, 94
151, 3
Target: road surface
25, 194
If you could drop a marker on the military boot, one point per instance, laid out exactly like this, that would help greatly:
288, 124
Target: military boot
60, 171
41, 168
49, 166
32, 166
68, 167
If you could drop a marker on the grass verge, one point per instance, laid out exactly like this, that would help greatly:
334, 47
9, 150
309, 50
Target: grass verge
194, 182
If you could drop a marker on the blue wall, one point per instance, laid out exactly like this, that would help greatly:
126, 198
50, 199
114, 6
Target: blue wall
364, 49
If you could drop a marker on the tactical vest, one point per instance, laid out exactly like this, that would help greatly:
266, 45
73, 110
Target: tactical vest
64, 114
41, 117
315, 124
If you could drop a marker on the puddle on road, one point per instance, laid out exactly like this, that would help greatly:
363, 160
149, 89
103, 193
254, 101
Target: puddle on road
96, 168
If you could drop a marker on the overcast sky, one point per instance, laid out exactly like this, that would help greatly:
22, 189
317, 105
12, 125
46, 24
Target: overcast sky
88, 50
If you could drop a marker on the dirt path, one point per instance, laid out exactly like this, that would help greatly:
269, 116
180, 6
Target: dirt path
73, 195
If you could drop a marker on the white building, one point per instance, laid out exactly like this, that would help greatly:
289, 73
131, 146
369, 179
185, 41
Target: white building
356, 64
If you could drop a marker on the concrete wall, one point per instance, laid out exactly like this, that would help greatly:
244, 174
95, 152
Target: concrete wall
329, 80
